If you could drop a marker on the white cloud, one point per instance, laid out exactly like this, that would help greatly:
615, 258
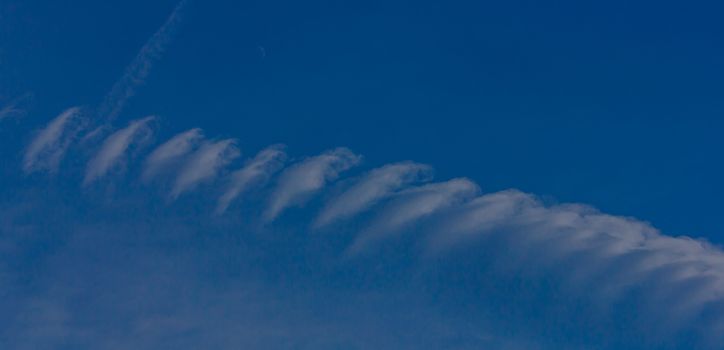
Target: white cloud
256, 172
302, 180
412, 205
204, 165
50, 144
614, 254
115, 146
171, 152
372, 187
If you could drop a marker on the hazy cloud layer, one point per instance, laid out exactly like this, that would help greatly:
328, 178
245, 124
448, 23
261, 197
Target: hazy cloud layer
116, 285
375, 185
50, 144
114, 148
204, 165
256, 172
171, 152
561, 272
303, 179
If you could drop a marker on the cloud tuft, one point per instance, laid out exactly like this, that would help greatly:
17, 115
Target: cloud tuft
300, 181
114, 147
377, 184
412, 205
204, 164
256, 172
171, 153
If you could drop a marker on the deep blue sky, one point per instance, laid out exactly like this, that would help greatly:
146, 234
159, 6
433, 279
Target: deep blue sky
617, 104
614, 104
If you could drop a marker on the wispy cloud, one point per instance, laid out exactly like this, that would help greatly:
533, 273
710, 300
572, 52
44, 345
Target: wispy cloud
137, 72
171, 152
115, 146
256, 172
302, 180
50, 144
14, 107
412, 205
375, 185
204, 165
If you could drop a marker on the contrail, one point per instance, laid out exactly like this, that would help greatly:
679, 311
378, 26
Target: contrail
137, 72
256, 172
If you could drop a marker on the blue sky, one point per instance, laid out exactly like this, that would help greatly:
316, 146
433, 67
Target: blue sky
412, 120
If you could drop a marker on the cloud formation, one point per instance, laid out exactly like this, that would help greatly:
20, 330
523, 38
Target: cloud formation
256, 172
601, 261
204, 164
374, 186
304, 179
171, 152
50, 144
114, 147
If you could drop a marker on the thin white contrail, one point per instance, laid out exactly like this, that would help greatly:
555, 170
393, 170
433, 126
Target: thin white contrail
137, 72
